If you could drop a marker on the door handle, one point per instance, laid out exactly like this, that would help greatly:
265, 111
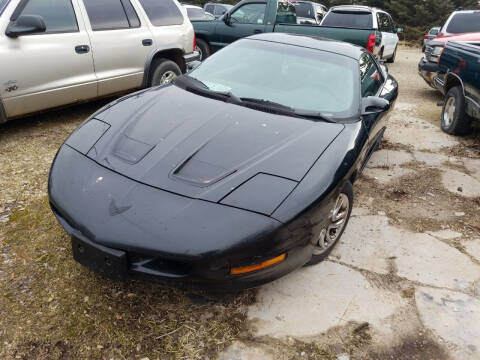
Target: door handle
82, 49
257, 31
147, 42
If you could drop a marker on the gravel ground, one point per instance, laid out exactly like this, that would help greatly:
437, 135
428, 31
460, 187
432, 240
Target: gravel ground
411, 250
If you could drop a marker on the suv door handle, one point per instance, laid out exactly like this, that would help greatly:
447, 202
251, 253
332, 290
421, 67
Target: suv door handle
147, 42
82, 49
257, 31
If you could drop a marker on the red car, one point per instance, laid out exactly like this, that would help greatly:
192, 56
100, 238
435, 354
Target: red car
461, 26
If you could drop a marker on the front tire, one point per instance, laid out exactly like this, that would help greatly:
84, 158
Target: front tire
203, 49
163, 72
392, 59
339, 217
455, 120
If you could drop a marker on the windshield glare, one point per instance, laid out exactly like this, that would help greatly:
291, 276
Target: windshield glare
300, 78
3, 4
464, 23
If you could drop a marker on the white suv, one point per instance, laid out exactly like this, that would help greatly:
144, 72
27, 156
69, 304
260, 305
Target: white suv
364, 17
59, 52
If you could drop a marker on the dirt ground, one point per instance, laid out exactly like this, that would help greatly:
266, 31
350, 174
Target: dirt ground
404, 283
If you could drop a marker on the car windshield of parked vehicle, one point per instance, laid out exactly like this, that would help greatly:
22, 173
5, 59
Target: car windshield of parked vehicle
355, 20
464, 23
305, 10
296, 77
196, 14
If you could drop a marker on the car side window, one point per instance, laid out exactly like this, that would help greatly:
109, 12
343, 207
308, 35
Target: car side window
383, 24
111, 14
58, 15
370, 76
219, 10
392, 25
249, 14
162, 12
210, 9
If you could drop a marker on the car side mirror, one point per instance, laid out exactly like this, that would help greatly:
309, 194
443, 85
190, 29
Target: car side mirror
374, 104
226, 18
25, 25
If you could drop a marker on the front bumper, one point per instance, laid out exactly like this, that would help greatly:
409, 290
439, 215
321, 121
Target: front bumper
121, 229
428, 71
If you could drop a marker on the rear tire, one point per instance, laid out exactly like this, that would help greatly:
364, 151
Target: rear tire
392, 59
163, 72
203, 49
344, 205
455, 120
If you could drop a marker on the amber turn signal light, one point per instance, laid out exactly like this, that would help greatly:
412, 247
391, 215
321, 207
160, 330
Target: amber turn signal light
263, 265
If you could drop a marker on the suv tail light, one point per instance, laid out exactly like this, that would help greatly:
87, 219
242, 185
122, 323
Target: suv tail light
194, 42
371, 42
426, 37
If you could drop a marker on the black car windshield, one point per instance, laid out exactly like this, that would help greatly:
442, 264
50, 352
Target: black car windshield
296, 77
305, 10
356, 20
464, 23
196, 14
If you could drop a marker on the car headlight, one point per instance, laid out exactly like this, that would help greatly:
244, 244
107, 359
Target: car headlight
435, 53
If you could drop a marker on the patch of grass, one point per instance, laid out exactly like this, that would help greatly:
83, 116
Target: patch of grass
53, 308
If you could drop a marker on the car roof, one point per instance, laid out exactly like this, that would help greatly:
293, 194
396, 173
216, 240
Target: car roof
358, 8
317, 43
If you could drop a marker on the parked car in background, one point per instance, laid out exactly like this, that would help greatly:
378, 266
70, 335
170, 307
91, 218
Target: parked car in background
428, 65
432, 34
59, 52
309, 12
197, 13
458, 79
364, 17
461, 22
234, 175
217, 9
264, 16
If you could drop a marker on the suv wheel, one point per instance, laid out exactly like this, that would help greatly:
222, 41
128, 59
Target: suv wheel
454, 119
331, 234
392, 59
163, 72
203, 49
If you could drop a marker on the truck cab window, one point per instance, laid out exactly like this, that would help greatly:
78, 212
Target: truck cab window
249, 14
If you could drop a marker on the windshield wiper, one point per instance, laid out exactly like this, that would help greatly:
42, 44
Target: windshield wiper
267, 103
315, 115
192, 84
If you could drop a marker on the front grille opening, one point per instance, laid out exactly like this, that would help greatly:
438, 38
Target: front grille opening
159, 265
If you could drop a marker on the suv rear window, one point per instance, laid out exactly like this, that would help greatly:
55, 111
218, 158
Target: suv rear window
111, 14
349, 19
162, 12
464, 23
305, 10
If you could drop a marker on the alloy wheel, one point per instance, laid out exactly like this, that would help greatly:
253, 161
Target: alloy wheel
167, 77
449, 112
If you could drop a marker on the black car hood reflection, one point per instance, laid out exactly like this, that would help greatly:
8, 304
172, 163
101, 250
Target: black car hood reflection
203, 148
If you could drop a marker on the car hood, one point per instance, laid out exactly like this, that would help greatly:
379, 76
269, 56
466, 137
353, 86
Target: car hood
458, 37
202, 148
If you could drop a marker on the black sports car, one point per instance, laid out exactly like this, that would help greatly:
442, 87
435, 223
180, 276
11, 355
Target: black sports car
232, 176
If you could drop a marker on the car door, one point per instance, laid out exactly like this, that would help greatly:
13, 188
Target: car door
120, 44
246, 20
393, 34
49, 69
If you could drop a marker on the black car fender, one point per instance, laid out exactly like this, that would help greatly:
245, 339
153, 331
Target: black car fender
451, 80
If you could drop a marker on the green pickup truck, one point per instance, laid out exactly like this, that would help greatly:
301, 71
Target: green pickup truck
250, 17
